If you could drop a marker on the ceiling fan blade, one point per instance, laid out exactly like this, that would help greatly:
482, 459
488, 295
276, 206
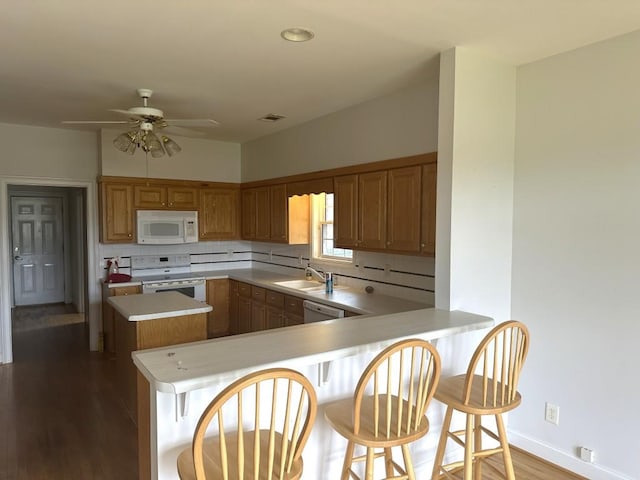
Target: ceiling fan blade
127, 113
91, 122
183, 132
192, 122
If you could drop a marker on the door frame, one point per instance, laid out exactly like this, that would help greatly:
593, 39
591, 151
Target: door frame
92, 309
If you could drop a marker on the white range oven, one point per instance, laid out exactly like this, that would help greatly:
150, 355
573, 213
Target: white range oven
168, 273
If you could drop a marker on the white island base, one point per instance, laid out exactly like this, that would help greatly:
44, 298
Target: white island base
333, 354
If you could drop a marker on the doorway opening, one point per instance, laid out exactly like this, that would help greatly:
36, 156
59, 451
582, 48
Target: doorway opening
47, 244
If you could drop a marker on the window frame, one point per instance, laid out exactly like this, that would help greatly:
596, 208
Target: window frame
316, 240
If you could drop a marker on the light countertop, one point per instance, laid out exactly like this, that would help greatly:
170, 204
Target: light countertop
348, 298
355, 300
187, 367
151, 306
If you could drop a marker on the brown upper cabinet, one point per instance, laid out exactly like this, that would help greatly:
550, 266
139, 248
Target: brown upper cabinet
256, 220
219, 213
116, 213
372, 210
403, 217
391, 209
269, 215
161, 197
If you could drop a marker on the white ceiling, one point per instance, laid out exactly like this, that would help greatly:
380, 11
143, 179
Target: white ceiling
224, 59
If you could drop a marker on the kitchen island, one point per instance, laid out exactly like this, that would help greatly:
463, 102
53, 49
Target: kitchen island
183, 379
148, 321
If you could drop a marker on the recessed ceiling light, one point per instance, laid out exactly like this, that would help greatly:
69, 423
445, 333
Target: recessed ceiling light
297, 34
272, 117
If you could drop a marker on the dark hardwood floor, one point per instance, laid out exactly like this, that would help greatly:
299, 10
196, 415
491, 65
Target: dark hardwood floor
60, 416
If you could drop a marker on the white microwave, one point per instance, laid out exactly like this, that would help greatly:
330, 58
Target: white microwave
167, 227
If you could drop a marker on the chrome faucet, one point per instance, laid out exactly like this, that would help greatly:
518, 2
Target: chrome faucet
310, 271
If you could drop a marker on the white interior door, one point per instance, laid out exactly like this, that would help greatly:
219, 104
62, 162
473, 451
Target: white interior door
38, 260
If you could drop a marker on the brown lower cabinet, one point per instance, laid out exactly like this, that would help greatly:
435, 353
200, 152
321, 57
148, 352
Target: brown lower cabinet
108, 320
252, 308
218, 296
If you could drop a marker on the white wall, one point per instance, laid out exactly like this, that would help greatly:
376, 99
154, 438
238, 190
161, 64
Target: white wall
200, 159
576, 255
475, 167
402, 124
48, 152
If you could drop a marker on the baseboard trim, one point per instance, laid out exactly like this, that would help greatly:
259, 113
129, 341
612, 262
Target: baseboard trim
593, 471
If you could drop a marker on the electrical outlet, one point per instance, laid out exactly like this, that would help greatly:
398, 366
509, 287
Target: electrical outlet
552, 413
587, 454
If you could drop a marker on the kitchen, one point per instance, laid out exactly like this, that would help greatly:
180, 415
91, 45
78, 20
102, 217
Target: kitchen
72, 159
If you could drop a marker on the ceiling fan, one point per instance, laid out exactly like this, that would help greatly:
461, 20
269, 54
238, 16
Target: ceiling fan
143, 120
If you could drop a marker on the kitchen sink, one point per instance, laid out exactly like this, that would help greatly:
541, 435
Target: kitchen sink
306, 285
301, 284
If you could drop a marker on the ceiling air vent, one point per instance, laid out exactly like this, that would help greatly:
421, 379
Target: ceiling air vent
272, 117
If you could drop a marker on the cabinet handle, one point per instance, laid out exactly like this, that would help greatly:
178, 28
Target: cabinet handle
388, 243
129, 235
422, 245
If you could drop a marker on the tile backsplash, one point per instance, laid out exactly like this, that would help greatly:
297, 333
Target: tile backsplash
404, 276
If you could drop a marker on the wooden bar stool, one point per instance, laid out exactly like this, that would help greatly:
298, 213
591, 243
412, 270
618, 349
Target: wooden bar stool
269, 418
388, 408
488, 388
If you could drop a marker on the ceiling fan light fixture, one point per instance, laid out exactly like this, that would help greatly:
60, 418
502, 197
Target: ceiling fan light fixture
125, 142
170, 146
151, 143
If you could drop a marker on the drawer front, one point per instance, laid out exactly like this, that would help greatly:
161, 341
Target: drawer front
293, 305
258, 293
275, 299
244, 289
117, 291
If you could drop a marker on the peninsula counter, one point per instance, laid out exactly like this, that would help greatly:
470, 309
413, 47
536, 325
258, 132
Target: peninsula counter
181, 380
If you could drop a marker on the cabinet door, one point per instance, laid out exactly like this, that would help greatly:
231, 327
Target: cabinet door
150, 196
244, 314
429, 187
372, 210
275, 317
279, 215
403, 215
263, 214
219, 214
116, 209
182, 198
249, 214
293, 310
233, 307
258, 316
218, 298
346, 211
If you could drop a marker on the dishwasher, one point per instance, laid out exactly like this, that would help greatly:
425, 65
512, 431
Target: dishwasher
316, 312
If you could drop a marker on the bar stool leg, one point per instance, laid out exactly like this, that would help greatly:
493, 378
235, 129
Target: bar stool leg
388, 462
348, 461
368, 473
506, 453
442, 444
477, 433
408, 464
468, 448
